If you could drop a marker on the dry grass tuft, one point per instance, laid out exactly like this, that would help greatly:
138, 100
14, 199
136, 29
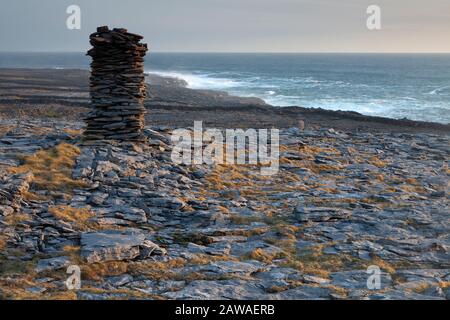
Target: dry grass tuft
2, 242
237, 219
383, 265
71, 249
97, 271
121, 294
223, 209
52, 169
15, 289
377, 162
4, 129
60, 295
286, 230
421, 287
73, 132
202, 259
156, 270
264, 256
16, 218
314, 261
338, 290
78, 216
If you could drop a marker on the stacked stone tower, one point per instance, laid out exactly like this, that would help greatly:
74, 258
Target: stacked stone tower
117, 86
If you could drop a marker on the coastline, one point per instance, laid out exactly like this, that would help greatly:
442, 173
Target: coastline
351, 192
63, 93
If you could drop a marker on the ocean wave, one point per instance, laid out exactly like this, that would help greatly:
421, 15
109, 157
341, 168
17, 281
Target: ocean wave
200, 81
438, 90
409, 98
311, 92
392, 108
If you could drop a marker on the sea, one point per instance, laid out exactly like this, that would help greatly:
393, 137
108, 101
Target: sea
412, 86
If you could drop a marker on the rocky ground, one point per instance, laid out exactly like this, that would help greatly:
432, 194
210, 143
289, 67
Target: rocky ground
140, 226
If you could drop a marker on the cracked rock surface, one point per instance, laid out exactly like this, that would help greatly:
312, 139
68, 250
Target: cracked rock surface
142, 227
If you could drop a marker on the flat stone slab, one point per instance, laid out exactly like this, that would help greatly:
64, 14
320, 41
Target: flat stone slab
357, 279
226, 268
320, 214
111, 245
304, 292
52, 264
220, 290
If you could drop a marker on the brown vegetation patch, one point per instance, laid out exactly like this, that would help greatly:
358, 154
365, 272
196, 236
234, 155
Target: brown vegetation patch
79, 217
52, 169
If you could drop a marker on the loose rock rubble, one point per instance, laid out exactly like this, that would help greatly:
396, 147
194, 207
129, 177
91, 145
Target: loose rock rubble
117, 86
143, 227
14, 186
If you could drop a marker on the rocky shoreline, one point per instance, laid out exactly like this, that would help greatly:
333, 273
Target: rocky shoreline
64, 94
350, 194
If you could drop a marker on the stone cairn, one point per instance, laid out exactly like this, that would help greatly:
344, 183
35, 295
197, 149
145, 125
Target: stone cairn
117, 86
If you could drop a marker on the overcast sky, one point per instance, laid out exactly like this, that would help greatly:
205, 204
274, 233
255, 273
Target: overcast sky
232, 25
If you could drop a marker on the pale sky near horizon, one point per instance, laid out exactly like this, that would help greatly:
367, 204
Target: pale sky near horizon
232, 25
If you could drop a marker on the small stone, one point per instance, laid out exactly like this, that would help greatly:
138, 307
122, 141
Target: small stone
36, 290
6, 210
52, 264
149, 248
314, 279
121, 280
98, 198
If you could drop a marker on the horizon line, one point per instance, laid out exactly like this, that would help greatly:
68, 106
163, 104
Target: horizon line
253, 52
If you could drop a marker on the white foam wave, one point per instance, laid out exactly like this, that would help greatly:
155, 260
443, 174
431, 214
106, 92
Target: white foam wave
438, 90
314, 93
200, 81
